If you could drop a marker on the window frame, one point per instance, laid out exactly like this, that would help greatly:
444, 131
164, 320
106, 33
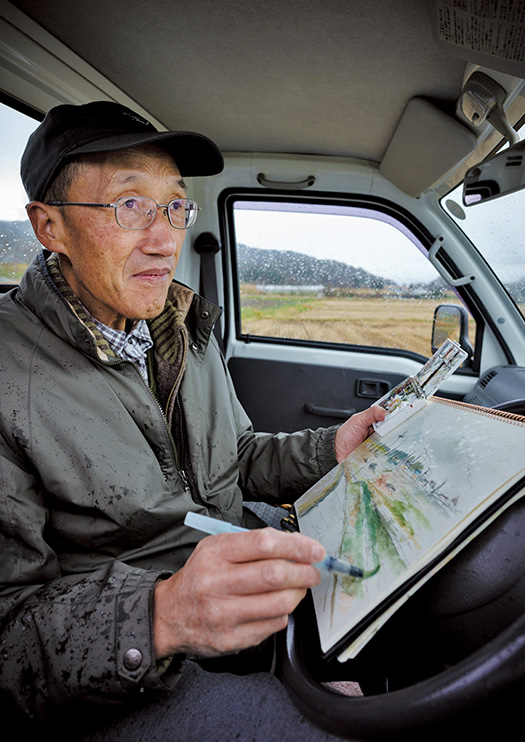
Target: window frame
232, 304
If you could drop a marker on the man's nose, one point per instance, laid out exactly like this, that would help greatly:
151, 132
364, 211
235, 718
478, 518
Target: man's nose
160, 236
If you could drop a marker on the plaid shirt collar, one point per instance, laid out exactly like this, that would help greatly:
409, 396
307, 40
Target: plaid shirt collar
132, 346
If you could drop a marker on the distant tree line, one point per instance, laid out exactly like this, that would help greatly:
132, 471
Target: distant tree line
272, 267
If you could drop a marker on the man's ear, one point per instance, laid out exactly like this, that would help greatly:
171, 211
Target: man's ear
48, 226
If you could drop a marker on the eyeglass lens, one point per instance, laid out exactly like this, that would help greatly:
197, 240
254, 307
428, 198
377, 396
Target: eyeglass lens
139, 212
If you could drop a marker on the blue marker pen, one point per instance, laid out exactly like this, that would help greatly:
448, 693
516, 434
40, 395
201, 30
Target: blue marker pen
328, 564
210, 525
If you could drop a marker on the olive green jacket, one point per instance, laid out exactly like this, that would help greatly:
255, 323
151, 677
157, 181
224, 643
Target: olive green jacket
92, 498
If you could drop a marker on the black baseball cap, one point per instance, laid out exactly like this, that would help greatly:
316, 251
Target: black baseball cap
104, 126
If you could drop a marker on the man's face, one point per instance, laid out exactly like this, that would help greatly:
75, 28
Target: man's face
121, 274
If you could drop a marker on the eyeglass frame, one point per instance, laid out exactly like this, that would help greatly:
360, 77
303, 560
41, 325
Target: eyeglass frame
125, 198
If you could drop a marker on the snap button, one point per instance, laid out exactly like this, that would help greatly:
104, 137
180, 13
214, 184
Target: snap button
205, 314
194, 346
133, 659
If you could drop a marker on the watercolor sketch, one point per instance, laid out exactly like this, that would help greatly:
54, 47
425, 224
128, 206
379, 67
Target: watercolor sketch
398, 500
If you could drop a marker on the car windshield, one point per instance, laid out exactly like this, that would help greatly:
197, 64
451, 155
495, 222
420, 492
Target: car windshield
497, 229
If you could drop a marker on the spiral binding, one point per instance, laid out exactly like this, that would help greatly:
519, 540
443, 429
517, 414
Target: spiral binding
510, 417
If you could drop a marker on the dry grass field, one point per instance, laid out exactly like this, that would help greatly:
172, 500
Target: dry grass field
367, 318
11, 272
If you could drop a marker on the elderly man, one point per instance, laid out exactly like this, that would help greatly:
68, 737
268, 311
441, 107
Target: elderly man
117, 418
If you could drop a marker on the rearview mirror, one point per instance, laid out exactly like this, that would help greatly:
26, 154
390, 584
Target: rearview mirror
495, 177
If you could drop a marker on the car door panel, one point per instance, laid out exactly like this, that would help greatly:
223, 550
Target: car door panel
286, 396
283, 396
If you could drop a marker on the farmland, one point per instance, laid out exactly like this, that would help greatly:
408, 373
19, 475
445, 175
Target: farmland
366, 317
11, 272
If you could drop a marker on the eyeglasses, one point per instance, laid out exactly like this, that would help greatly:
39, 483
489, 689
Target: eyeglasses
138, 212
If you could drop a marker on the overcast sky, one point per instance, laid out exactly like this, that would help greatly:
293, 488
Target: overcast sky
377, 247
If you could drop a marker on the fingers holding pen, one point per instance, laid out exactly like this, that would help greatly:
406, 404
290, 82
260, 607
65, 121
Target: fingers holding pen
260, 577
234, 590
265, 560
256, 561
268, 543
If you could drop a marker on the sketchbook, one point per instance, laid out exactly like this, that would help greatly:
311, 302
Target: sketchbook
403, 504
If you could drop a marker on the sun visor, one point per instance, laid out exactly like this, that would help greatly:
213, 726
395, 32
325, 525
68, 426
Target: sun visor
427, 143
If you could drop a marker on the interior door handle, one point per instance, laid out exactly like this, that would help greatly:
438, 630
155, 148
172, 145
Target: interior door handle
329, 411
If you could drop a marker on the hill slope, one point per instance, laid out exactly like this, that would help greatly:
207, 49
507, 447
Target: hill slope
260, 266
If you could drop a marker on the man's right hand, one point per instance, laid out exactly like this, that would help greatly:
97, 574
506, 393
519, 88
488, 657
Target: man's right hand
234, 591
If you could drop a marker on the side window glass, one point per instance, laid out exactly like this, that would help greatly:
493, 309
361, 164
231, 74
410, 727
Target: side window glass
317, 272
17, 241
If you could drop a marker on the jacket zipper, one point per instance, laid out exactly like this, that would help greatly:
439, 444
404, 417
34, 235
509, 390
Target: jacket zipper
182, 438
178, 452
180, 470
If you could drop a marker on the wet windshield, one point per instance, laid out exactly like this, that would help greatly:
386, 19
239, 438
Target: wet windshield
497, 229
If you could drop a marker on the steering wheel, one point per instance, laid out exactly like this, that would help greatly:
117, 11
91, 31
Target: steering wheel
484, 691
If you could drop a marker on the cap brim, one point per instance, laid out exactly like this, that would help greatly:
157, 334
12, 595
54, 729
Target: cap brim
193, 153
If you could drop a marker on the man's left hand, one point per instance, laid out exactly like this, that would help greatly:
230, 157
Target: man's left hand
355, 430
